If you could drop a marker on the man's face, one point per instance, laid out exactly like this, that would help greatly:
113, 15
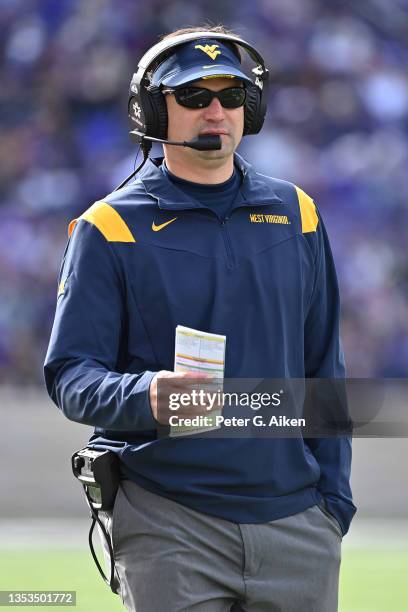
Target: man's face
186, 124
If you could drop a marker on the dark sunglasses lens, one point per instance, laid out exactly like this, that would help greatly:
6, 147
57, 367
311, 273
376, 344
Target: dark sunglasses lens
193, 97
234, 97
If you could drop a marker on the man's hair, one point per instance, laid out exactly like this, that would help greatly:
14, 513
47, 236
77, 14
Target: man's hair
217, 29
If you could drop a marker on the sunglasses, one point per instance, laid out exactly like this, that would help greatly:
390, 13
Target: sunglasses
199, 97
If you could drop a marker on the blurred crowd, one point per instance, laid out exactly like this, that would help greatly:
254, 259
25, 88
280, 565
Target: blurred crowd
336, 126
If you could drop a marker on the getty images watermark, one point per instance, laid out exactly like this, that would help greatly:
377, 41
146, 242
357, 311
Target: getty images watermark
216, 400
285, 407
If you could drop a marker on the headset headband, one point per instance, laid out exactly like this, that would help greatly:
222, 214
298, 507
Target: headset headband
154, 52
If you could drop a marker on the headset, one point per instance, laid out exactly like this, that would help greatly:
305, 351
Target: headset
147, 107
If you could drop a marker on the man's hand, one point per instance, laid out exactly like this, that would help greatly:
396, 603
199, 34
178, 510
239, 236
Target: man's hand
176, 382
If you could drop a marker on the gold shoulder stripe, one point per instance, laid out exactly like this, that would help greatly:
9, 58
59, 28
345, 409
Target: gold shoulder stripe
71, 226
308, 212
107, 220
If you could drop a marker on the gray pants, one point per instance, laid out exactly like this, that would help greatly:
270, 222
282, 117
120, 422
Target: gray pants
170, 558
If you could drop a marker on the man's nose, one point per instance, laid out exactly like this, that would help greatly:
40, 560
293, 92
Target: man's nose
215, 111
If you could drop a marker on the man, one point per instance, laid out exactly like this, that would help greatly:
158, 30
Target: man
202, 240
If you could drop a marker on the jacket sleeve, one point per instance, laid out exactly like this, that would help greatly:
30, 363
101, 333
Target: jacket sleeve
324, 360
82, 358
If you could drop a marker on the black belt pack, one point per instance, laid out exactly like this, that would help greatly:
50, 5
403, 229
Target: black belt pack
98, 472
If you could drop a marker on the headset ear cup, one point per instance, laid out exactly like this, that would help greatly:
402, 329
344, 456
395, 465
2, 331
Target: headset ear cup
148, 111
253, 118
157, 114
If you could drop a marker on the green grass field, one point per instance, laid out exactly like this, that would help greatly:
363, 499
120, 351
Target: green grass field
371, 580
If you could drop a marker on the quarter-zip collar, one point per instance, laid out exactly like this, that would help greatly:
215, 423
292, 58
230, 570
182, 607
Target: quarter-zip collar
254, 190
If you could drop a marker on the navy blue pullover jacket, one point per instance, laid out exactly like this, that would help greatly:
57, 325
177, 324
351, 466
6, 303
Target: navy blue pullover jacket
146, 259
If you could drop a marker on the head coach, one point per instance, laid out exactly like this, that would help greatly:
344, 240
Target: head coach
202, 240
